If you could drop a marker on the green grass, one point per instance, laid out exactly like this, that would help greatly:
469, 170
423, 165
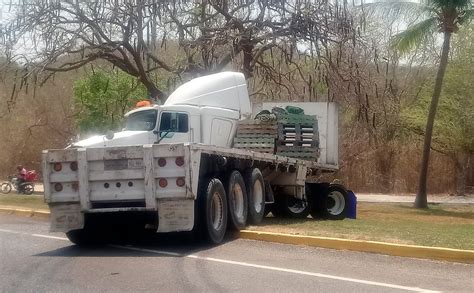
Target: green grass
449, 226
24, 201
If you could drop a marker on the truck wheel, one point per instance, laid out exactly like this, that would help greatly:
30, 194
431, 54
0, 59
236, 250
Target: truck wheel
288, 206
237, 201
213, 206
297, 208
80, 237
333, 204
256, 196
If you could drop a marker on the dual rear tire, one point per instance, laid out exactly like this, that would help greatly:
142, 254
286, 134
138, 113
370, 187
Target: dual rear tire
237, 200
332, 204
322, 201
240, 200
212, 202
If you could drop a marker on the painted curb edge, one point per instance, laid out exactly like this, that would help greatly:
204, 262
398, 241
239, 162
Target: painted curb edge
424, 252
25, 212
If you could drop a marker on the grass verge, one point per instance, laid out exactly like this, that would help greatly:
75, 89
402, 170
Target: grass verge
35, 202
450, 226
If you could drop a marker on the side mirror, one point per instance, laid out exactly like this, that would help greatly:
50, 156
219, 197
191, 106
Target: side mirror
109, 135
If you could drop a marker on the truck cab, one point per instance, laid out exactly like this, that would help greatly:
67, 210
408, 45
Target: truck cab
204, 110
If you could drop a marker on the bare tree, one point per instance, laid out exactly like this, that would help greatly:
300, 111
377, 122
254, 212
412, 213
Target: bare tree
177, 38
42, 33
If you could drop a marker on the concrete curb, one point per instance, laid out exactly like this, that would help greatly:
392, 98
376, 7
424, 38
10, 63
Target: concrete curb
425, 252
43, 214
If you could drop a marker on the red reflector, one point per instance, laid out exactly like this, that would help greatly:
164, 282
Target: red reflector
163, 182
161, 162
73, 166
179, 161
58, 167
180, 182
58, 187
75, 186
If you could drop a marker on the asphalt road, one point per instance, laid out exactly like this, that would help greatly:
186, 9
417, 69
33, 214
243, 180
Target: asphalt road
34, 260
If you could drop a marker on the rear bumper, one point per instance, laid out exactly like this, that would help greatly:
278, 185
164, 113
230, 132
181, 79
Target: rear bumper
173, 215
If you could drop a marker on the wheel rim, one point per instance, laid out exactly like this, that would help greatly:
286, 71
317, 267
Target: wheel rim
297, 206
217, 210
335, 203
28, 189
5, 188
238, 202
257, 196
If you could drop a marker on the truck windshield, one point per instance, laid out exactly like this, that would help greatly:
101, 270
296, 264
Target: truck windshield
143, 120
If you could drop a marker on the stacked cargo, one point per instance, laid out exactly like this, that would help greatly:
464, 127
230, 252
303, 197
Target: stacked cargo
283, 132
256, 135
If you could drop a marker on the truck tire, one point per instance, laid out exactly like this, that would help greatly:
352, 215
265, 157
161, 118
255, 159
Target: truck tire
288, 206
81, 237
237, 201
332, 204
256, 196
213, 211
297, 208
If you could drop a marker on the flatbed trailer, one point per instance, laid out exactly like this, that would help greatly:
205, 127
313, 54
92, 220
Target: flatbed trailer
179, 187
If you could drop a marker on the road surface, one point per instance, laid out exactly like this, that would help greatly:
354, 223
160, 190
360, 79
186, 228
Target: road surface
34, 260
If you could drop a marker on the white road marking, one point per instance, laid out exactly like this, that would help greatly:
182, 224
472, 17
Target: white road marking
10, 231
49, 236
279, 269
245, 264
35, 235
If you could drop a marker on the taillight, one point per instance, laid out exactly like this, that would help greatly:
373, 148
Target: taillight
58, 187
73, 166
179, 161
180, 182
58, 167
163, 182
75, 186
161, 162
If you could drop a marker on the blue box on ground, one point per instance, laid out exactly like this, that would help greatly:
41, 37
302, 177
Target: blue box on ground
352, 209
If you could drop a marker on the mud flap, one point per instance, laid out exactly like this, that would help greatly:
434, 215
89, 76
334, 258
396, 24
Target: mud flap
175, 215
66, 217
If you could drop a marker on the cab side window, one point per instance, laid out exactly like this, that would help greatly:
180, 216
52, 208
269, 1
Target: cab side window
174, 122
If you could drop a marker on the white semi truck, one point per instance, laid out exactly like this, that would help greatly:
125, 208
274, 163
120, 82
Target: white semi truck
173, 168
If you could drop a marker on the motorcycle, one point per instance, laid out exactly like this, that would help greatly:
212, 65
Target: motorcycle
27, 187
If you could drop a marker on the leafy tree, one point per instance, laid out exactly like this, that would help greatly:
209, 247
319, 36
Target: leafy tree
435, 16
102, 98
454, 125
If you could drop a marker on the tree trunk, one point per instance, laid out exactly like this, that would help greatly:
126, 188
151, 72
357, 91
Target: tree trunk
421, 200
384, 156
153, 91
463, 161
